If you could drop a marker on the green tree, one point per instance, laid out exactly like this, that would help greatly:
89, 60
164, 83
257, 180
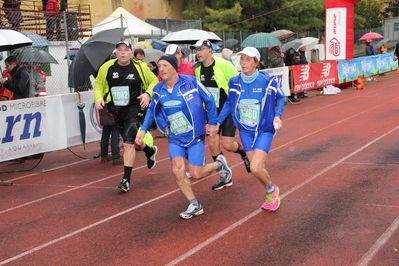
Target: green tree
306, 16
368, 14
392, 8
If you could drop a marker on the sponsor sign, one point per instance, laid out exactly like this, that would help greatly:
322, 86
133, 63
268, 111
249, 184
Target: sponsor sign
335, 44
281, 75
313, 76
36, 125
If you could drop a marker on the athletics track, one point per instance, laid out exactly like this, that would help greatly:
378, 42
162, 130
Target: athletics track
336, 161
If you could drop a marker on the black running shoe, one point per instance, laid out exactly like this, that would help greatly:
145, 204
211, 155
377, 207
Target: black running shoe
151, 159
221, 184
247, 163
124, 185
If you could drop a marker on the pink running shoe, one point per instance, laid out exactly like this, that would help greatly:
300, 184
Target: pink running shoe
272, 200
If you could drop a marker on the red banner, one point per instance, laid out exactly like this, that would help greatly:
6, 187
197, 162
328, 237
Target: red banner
312, 76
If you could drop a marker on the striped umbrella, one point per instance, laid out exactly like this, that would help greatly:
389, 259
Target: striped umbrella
261, 40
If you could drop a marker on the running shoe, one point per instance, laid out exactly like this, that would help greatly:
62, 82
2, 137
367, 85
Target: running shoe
225, 174
124, 185
188, 174
192, 210
151, 159
247, 163
272, 200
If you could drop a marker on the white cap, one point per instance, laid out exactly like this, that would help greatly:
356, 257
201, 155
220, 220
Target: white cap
251, 52
172, 49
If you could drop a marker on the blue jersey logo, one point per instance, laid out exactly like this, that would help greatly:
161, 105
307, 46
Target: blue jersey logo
172, 103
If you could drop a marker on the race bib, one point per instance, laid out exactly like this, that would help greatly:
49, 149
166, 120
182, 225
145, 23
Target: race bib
179, 123
249, 112
120, 95
216, 94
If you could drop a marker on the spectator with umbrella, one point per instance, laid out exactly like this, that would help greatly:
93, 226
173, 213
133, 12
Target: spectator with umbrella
19, 83
369, 49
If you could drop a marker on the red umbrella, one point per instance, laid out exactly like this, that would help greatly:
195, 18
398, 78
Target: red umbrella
371, 35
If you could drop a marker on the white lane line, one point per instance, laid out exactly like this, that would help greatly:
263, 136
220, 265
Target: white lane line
210, 240
379, 243
72, 189
85, 228
246, 218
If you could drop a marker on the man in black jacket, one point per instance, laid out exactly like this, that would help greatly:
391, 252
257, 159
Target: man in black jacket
19, 83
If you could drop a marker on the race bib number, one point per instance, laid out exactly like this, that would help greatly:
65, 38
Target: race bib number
120, 95
179, 123
249, 112
216, 94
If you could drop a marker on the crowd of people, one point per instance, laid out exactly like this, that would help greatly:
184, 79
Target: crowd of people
192, 104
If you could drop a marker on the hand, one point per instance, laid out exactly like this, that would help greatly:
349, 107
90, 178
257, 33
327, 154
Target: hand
99, 104
212, 130
277, 121
2, 81
144, 100
139, 137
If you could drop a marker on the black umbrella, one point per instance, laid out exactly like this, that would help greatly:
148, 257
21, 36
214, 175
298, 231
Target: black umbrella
82, 120
33, 55
92, 54
230, 42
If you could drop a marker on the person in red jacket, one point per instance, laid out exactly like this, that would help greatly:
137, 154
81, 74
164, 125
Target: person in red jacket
53, 20
185, 67
6, 94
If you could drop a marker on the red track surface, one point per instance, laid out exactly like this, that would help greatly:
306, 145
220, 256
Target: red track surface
336, 161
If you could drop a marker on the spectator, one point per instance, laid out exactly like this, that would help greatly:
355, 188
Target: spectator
292, 58
36, 81
13, 13
302, 61
276, 57
396, 55
139, 54
369, 49
6, 94
154, 67
53, 20
19, 83
38, 68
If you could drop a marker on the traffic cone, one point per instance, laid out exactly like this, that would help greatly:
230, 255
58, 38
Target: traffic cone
359, 83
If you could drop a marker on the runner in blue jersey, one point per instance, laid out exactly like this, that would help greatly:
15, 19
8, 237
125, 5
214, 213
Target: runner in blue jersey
251, 101
177, 107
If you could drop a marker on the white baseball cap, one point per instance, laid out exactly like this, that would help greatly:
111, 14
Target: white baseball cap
251, 52
173, 49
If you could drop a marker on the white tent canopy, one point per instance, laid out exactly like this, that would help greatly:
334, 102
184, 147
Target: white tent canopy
135, 26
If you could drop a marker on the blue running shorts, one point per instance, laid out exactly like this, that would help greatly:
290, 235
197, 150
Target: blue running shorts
263, 142
195, 153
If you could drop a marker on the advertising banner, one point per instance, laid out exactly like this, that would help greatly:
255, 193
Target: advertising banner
31, 126
336, 26
35, 125
365, 66
313, 76
281, 75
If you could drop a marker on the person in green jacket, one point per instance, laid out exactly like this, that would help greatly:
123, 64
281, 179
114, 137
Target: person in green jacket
125, 85
215, 73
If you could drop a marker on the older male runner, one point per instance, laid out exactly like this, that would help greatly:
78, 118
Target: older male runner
177, 108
